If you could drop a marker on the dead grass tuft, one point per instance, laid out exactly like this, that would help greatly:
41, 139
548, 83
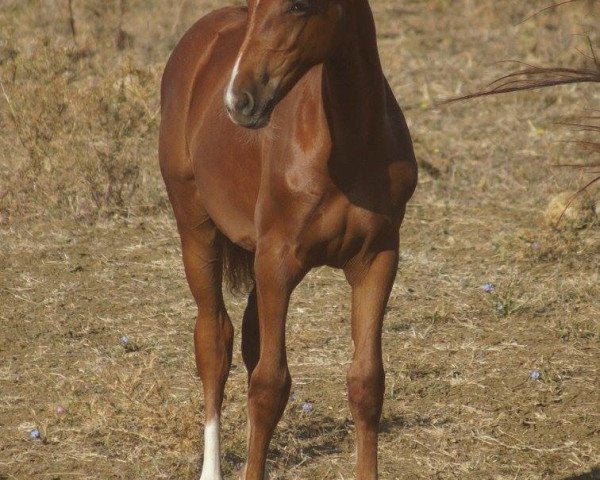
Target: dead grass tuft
572, 210
79, 131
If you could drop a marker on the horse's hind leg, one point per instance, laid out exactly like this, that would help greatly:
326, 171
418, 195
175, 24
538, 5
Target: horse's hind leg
213, 334
250, 334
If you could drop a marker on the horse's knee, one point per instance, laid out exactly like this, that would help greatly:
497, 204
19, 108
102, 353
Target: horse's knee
213, 342
214, 329
269, 382
366, 384
269, 390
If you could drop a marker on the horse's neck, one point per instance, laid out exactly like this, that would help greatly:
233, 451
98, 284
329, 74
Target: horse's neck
354, 85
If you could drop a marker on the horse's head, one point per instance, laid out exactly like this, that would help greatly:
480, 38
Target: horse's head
284, 39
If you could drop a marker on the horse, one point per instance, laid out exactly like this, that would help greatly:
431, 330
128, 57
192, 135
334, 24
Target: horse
283, 149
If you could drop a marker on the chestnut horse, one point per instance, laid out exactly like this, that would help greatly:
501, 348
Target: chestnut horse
282, 149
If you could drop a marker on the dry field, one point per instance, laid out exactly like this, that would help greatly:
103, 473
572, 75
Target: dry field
89, 254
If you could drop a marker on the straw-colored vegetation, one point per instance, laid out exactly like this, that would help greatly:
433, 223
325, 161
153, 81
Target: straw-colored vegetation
89, 254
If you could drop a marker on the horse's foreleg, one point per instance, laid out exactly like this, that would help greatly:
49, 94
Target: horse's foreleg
213, 334
371, 287
213, 338
277, 273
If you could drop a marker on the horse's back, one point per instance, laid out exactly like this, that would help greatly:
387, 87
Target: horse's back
190, 65
194, 53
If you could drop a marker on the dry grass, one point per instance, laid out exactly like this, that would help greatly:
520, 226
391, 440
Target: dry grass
459, 402
80, 117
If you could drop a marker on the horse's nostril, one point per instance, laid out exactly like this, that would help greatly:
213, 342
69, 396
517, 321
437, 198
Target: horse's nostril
244, 103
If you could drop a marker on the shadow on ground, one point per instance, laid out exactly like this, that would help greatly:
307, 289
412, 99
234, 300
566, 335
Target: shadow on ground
311, 440
593, 475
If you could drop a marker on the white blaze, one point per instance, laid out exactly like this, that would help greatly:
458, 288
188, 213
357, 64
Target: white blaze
229, 97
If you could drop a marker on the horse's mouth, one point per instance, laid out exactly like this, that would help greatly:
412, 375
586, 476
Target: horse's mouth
254, 123
258, 120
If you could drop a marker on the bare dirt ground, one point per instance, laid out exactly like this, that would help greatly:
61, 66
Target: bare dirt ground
81, 266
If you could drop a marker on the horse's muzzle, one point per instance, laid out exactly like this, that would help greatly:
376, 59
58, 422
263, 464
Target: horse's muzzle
245, 110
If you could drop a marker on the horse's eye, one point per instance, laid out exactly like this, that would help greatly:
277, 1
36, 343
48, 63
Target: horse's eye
300, 6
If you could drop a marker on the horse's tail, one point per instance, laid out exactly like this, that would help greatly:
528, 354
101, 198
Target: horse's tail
533, 78
238, 266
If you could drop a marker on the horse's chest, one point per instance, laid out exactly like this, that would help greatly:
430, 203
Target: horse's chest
339, 229
333, 214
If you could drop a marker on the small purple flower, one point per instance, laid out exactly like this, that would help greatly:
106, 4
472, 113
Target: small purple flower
535, 374
293, 397
60, 410
124, 340
35, 434
489, 287
307, 407
536, 245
